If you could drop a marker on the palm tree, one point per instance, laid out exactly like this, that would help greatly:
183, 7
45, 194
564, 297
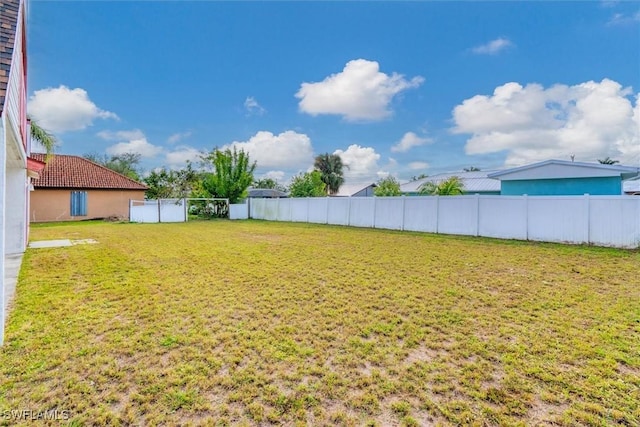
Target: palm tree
608, 161
450, 187
47, 140
330, 166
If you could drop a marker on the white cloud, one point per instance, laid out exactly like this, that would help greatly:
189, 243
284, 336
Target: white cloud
418, 165
623, 19
62, 109
590, 120
177, 137
275, 175
253, 107
359, 92
121, 134
493, 47
288, 150
361, 163
408, 141
181, 155
130, 141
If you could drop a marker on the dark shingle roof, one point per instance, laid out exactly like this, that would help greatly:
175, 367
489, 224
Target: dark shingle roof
8, 26
64, 171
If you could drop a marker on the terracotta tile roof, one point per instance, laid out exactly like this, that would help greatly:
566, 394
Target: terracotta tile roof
8, 27
64, 171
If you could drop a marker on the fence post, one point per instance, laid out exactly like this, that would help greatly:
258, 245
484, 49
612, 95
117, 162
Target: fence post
326, 212
186, 214
375, 198
308, 203
159, 212
437, 214
526, 216
588, 213
349, 212
404, 200
477, 214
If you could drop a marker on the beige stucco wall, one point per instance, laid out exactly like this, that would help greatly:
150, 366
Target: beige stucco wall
55, 205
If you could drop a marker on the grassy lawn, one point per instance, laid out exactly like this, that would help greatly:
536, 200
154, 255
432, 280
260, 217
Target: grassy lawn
251, 323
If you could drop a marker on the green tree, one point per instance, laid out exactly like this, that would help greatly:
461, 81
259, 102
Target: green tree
44, 137
269, 183
308, 184
169, 184
471, 169
387, 187
331, 169
126, 164
450, 187
608, 161
416, 178
232, 174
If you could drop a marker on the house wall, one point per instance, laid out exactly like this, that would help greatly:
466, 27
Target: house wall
596, 186
55, 205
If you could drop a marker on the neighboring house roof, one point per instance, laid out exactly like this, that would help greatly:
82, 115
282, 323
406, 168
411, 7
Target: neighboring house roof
558, 169
265, 193
348, 190
474, 182
64, 171
8, 26
631, 185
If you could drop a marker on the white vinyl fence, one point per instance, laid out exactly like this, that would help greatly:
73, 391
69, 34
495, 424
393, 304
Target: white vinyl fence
161, 210
598, 220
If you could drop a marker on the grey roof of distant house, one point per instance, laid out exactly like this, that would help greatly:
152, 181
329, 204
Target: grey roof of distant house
348, 190
631, 185
474, 182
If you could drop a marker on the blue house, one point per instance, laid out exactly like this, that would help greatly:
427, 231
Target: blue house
560, 177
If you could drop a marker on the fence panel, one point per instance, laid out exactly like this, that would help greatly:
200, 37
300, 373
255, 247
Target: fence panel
421, 214
172, 210
558, 219
318, 210
362, 211
284, 209
601, 220
238, 211
503, 217
143, 211
615, 221
299, 209
338, 213
388, 213
458, 215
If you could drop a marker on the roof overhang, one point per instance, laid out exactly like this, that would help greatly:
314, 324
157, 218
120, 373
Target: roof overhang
34, 167
559, 169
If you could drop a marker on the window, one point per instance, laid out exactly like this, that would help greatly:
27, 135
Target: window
78, 203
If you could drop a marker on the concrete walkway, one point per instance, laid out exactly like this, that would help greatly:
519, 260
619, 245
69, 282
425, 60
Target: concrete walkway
12, 265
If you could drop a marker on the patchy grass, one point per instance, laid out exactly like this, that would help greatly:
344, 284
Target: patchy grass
226, 323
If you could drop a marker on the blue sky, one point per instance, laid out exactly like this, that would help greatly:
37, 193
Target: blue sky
399, 88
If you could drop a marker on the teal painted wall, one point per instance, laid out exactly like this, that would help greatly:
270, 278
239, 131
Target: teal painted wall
597, 186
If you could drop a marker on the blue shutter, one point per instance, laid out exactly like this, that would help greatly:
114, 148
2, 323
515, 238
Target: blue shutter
78, 203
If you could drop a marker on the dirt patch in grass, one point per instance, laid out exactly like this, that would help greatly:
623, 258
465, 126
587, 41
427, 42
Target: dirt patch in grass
258, 323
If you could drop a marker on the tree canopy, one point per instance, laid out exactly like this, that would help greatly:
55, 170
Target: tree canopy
232, 174
450, 187
308, 184
331, 169
608, 161
269, 183
44, 137
387, 187
126, 164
